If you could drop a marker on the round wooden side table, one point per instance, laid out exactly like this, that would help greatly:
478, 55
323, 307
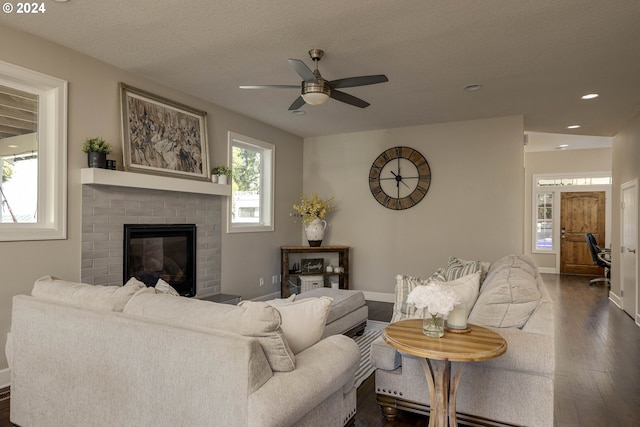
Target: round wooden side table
436, 356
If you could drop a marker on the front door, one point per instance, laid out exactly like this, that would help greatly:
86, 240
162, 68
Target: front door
580, 213
629, 248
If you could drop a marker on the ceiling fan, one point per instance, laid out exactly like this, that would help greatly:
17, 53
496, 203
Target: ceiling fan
316, 90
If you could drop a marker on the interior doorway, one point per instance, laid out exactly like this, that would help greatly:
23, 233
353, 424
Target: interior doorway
580, 213
629, 248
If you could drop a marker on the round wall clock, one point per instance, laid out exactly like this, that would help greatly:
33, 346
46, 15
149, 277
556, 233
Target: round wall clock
399, 178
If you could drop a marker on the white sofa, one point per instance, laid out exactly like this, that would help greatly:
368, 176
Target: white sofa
513, 389
90, 355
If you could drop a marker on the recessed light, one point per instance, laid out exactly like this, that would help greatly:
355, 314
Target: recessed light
573, 126
298, 112
472, 87
590, 96
12, 146
563, 145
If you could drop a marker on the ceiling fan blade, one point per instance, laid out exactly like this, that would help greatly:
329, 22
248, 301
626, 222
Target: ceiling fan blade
299, 102
349, 99
303, 71
270, 87
358, 81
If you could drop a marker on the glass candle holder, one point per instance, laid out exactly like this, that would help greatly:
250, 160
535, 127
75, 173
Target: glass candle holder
457, 318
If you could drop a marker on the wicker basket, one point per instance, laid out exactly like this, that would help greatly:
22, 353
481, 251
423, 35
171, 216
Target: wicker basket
308, 283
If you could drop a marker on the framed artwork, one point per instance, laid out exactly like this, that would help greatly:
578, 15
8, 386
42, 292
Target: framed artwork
163, 137
312, 265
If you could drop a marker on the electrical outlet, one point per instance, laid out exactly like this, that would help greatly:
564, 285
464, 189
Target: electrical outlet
262, 281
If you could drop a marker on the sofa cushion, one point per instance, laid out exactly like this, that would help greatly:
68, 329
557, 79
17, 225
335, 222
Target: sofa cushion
259, 321
97, 297
508, 297
165, 288
345, 301
303, 321
457, 268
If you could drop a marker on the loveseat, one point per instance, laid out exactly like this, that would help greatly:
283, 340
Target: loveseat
513, 389
85, 355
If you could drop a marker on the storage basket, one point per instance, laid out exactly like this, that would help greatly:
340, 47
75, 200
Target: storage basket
308, 283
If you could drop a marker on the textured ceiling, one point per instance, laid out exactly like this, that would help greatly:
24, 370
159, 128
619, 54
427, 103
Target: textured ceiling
532, 57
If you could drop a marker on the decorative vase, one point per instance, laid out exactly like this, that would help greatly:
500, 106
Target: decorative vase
315, 231
97, 160
214, 179
222, 179
433, 325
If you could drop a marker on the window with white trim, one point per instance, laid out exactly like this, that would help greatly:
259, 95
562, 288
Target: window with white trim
251, 203
33, 155
544, 221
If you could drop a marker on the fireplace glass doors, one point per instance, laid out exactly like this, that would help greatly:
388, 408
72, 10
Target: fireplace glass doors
161, 251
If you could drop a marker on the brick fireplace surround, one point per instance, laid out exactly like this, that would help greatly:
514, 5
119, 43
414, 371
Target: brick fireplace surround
105, 208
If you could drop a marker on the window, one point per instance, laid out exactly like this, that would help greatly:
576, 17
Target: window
252, 177
544, 221
33, 155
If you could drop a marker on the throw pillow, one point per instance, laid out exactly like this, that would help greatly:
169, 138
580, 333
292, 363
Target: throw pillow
259, 321
97, 297
165, 288
507, 299
465, 288
303, 321
457, 268
404, 286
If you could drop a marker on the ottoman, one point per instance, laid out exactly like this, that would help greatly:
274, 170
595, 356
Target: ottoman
348, 313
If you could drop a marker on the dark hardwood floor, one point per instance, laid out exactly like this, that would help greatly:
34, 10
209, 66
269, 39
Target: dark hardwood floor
597, 381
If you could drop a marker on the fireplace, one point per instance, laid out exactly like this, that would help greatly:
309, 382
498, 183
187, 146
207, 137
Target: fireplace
161, 251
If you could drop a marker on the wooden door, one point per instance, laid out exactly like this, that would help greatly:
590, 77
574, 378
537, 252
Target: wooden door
580, 213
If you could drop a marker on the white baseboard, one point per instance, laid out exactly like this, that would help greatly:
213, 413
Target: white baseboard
550, 270
5, 378
267, 297
379, 296
615, 299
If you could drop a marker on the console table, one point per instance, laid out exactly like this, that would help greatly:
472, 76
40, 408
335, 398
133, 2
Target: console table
436, 356
287, 284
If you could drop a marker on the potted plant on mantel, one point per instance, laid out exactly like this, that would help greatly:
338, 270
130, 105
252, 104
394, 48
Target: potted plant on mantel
97, 150
220, 174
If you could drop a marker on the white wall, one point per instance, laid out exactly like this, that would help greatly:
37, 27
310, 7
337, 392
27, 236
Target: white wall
473, 210
626, 166
560, 162
94, 110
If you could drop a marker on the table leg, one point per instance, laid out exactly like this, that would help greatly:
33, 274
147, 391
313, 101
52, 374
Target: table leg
442, 392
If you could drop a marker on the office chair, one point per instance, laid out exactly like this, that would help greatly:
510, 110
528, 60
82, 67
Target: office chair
601, 257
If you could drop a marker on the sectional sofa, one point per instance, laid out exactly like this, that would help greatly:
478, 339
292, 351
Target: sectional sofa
90, 355
513, 389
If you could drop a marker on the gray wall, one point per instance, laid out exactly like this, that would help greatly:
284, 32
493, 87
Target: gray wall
94, 110
626, 167
473, 210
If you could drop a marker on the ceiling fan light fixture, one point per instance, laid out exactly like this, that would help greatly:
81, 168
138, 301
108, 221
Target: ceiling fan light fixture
315, 98
316, 93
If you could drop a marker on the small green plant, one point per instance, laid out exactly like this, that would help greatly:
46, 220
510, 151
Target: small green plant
96, 145
221, 170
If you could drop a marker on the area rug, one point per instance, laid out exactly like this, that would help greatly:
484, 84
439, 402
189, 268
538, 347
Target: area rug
371, 332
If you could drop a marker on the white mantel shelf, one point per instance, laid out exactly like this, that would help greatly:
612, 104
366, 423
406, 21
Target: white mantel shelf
96, 176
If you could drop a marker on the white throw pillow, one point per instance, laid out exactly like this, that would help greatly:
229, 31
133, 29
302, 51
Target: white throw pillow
165, 288
465, 288
303, 321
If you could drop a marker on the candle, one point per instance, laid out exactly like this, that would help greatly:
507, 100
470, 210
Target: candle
457, 318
